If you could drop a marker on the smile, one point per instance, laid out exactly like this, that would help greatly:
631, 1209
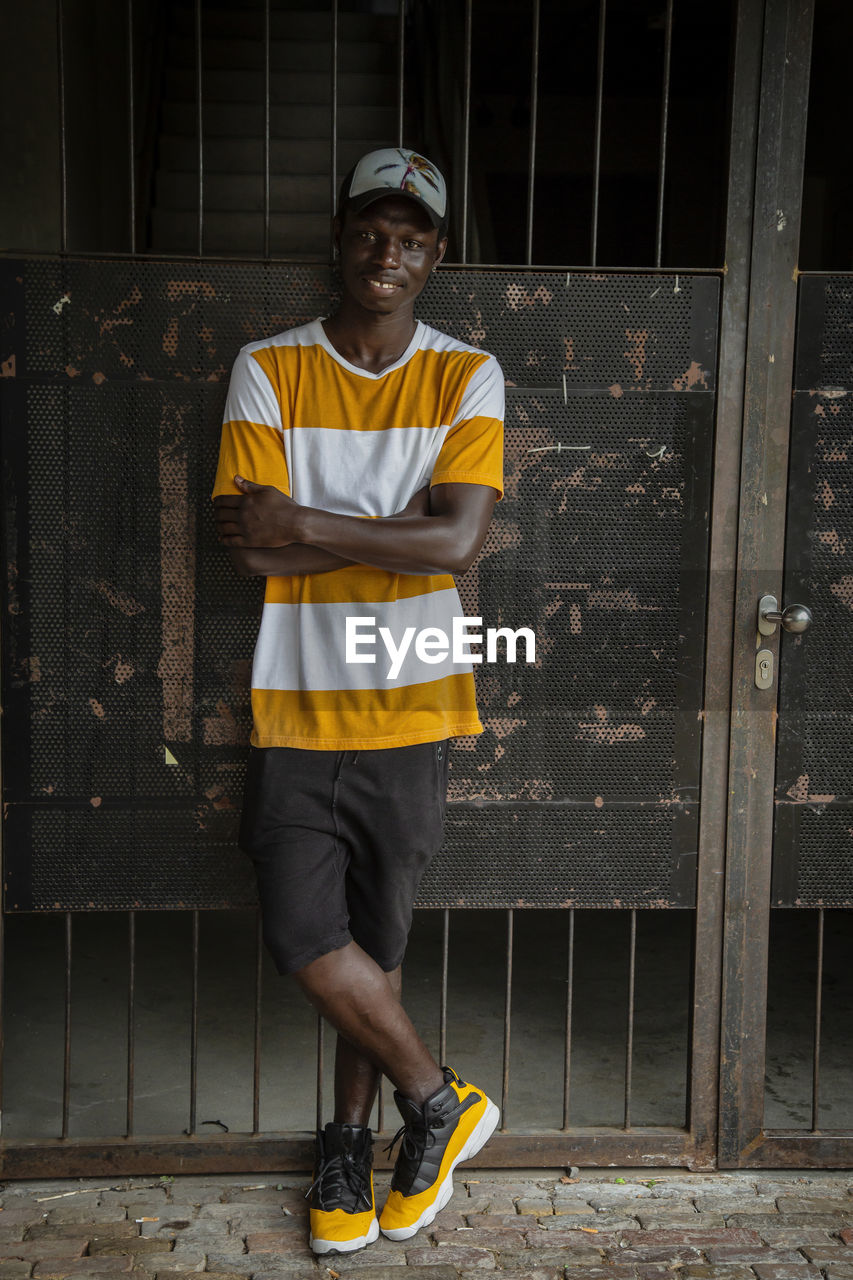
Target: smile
383, 284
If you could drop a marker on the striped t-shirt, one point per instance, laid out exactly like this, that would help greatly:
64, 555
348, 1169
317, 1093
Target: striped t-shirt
334, 436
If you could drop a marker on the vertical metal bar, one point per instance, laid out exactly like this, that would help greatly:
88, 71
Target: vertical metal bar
599, 115
818, 1013
534, 103
194, 1029
629, 1042
131, 1018
266, 130
401, 70
507, 1018
320, 1070
380, 1107
333, 98
200, 128
466, 130
259, 976
772, 301
2, 975
63, 148
442, 1009
2, 1006
66, 1063
131, 127
704, 1046
664, 128
570, 988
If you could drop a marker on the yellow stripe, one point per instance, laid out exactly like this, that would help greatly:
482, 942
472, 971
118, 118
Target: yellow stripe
354, 584
415, 713
341, 401
253, 450
266, 359
472, 450
493, 480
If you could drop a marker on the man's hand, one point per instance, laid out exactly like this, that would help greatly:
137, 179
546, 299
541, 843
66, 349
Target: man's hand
258, 516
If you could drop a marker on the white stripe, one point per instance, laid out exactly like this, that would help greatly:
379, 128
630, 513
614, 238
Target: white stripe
484, 394
251, 397
365, 473
304, 646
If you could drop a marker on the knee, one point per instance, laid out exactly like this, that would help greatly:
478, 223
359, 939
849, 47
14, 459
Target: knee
395, 981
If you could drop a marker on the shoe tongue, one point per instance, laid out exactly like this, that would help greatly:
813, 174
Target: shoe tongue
412, 1112
341, 1139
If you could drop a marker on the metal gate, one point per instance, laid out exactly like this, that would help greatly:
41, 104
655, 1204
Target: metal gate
809, 750
129, 635
627, 771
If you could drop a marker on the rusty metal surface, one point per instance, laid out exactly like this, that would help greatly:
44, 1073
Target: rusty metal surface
813, 845
777, 1149
764, 480
705, 1021
130, 640
649, 1148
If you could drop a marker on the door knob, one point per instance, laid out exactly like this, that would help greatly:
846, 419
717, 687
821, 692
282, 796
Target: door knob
794, 618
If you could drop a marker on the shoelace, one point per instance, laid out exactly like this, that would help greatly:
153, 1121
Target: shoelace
337, 1173
413, 1145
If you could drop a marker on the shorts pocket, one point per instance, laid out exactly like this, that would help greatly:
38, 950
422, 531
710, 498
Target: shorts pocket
440, 756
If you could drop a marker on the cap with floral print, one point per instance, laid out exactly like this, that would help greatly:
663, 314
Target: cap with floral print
394, 170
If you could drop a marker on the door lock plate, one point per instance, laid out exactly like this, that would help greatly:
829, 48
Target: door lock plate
763, 669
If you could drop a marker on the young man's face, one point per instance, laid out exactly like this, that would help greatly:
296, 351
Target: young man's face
387, 253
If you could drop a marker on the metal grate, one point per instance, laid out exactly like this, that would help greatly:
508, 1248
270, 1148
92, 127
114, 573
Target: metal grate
836, 355
812, 849
540, 856
130, 640
826, 859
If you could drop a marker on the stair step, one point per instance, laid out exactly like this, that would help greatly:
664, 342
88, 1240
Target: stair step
246, 155
176, 231
302, 87
303, 24
246, 54
244, 192
299, 121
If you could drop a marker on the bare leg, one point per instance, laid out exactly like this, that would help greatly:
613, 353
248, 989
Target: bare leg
355, 996
356, 1078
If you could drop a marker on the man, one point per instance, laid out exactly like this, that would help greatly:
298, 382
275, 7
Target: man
360, 462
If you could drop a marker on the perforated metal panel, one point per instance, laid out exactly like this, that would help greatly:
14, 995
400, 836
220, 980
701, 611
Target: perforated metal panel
128, 639
813, 849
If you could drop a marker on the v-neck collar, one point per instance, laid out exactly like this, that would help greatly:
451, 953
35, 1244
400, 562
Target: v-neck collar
323, 341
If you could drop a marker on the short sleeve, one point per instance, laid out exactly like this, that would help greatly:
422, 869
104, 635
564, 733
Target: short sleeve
251, 444
472, 452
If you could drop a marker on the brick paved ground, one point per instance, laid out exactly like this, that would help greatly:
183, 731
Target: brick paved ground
522, 1226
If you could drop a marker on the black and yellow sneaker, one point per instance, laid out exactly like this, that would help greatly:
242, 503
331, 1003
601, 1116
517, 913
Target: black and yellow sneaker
451, 1126
343, 1211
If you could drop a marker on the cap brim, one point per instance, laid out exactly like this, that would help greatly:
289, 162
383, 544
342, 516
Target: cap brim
365, 198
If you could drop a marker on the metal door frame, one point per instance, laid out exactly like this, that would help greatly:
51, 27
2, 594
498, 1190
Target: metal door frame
772, 245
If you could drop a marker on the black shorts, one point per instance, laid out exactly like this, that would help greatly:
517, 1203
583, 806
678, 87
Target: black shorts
340, 840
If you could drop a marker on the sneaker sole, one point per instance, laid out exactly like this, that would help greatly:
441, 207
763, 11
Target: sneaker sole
345, 1246
478, 1138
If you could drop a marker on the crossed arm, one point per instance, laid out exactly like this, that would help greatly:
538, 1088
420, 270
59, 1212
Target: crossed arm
440, 531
